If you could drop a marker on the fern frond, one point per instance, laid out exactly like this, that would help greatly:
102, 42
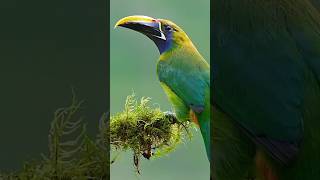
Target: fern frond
65, 137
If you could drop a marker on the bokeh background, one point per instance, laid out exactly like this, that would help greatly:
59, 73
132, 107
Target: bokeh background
133, 68
47, 47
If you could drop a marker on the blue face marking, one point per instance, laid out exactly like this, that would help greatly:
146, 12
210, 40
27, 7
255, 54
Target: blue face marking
163, 45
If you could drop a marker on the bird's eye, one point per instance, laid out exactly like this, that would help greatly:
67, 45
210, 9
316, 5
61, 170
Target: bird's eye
168, 28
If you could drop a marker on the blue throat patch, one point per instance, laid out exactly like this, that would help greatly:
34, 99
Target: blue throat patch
163, 45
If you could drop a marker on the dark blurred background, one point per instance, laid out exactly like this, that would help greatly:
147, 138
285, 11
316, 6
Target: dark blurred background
46, 48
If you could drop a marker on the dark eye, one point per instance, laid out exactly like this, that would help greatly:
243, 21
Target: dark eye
167, 28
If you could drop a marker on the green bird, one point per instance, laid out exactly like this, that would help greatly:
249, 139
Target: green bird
182, 71
266, 84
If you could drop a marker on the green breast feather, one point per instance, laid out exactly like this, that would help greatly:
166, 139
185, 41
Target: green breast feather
185, 80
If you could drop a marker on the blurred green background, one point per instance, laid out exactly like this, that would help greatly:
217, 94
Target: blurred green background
133, 67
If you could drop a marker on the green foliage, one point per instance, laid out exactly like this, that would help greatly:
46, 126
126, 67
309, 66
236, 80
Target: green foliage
143, 129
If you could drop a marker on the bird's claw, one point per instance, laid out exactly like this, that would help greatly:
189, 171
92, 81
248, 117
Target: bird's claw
171, 116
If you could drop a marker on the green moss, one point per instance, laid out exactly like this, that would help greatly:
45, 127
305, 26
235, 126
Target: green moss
144, 129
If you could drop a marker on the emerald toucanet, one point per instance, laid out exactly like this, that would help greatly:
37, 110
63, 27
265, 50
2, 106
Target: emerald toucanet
183, 72
266, 84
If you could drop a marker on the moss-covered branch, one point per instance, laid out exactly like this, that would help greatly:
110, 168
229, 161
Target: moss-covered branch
145, 130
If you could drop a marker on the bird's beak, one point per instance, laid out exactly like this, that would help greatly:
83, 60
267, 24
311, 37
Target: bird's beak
143, 24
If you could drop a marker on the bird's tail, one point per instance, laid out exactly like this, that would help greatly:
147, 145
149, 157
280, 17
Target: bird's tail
205, 131
203, 120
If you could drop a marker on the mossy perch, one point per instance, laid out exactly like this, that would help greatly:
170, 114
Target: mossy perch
144, 129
